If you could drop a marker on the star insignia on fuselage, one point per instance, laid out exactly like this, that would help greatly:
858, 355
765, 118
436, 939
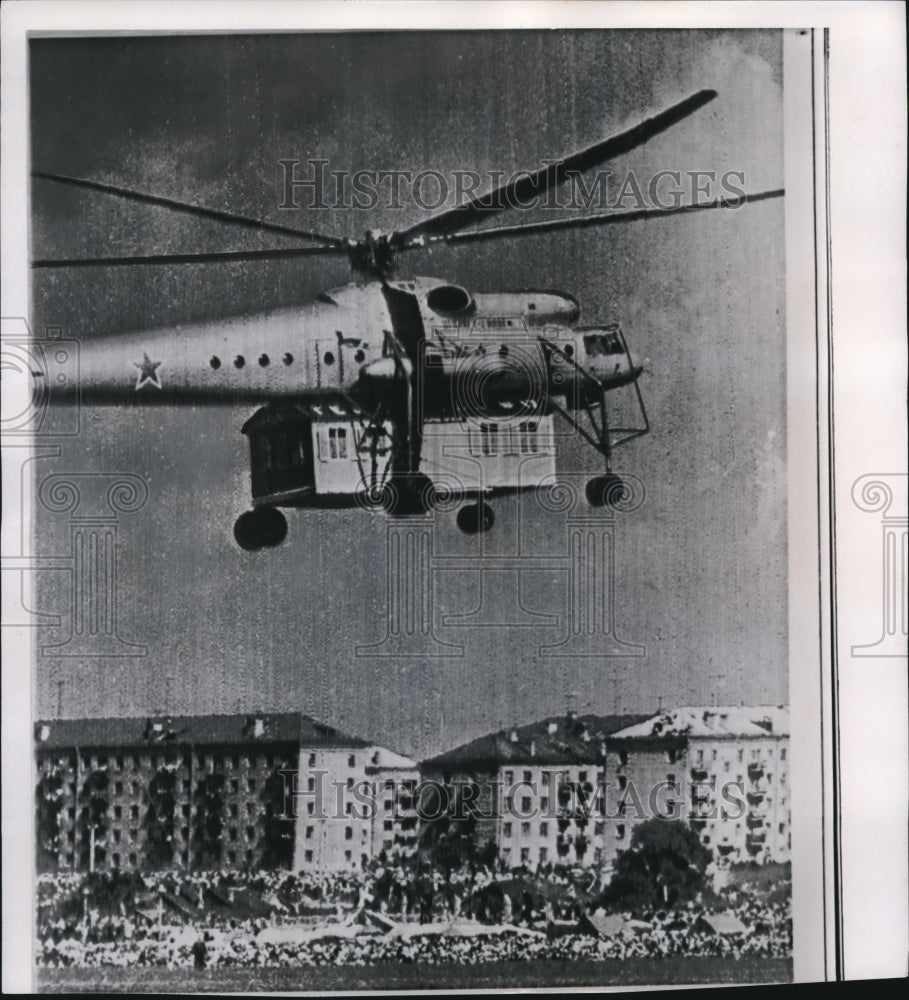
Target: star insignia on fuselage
148, 371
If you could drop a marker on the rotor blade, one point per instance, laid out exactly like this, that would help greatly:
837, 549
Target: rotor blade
603, 219
193, 258
200, 210
528, 185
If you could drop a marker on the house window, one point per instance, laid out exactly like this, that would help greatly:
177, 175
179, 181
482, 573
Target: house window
620, 831
337, 444
351, 761
509, 777
307, 855
506, 829
544, 854
526, 804
525, 829
544, 829
388, 825
582, 776
310, 808
348, 809
700, 756
347, 855
527, 776
544, 805
348, 833
311, 784
312, 760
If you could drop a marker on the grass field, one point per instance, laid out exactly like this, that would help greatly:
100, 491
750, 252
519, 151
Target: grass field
490, 975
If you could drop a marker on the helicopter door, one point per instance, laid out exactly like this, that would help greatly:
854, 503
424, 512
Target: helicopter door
329, 364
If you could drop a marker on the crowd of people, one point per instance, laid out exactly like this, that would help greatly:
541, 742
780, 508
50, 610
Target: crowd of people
219, 919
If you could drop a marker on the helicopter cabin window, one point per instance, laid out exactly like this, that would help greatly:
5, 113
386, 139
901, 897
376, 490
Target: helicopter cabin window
489, 439
527, 436
484, 440
602, 344
337, 442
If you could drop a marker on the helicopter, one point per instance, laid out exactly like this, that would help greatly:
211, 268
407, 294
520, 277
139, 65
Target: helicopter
391, 392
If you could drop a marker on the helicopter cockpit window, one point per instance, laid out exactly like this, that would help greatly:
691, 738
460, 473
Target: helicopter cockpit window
602, 344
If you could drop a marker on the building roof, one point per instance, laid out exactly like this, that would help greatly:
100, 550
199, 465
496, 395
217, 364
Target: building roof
567, 739
712, 722
381, 758
177, 730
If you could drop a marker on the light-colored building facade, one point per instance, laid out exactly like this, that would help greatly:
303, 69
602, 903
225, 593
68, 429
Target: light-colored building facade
724, 770
203, 792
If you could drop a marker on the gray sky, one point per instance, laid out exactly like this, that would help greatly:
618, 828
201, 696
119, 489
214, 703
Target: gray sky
701, 566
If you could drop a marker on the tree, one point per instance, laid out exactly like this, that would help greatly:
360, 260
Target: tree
663, 866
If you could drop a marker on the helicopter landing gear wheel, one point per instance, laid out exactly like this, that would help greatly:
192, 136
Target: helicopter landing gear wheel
408, 494
606, 491
476, 517
264, 527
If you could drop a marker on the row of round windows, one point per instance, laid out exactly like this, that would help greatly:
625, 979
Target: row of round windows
288, 359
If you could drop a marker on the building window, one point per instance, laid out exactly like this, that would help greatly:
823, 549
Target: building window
544, 829
544, 854
670, 778
526, 804
706, 838
251, 785
598, 828
509, 777
782, 827
132, 859
310, 808
725, 765
525, 829
623, 757
233, 833
700, 756
307, 855
250, 833
351, 761
311, 785
620, 831
234, 811
348, 809
506, 829
348, 833
544, 805
117, 836
312, 760
782, 753
623, 782
388, 825
337, 444
133, 812
118, 812
347, 855
582, 776
349, 784
234, 786
528, 776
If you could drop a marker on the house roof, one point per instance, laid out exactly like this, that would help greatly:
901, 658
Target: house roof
171, 730
712, 722
566, 739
